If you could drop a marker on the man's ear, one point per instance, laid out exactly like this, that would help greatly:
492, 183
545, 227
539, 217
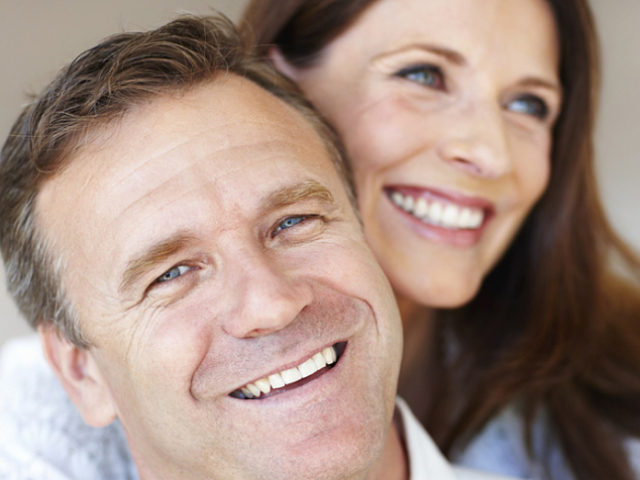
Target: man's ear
282, 64
80, 376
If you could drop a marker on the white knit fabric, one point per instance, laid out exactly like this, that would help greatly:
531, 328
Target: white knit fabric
42, 436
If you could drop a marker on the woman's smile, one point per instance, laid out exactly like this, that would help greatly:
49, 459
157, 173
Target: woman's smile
448, 218
446, 112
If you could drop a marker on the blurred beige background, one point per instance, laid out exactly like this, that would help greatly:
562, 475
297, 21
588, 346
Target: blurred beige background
38, 37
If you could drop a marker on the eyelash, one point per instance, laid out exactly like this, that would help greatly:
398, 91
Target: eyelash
540, 108
425, 74
300, 218
432, 76
168, 272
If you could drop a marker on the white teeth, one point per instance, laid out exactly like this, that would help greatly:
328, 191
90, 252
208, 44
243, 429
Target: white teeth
247, 392
319, 360
408, 203
308, 368
446, 215
450, 216
435, 212
276, 380
292, 375
255, 391
464, 218
264, 385
329, 355
421, 209
397, 198
476, 219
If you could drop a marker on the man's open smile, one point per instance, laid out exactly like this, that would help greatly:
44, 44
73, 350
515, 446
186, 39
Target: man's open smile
314, 367
231, 225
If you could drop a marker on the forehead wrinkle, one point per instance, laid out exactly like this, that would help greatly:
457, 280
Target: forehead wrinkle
153, 255
199, 181
275, 138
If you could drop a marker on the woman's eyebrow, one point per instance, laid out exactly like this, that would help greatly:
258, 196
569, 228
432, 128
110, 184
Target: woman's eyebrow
541, 83
451, 55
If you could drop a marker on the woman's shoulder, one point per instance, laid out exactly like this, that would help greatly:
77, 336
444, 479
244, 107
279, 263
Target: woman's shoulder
632, 446
47, 439
500, 448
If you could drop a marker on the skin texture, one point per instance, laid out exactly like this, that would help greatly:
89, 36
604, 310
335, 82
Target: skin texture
441, 97
249, 296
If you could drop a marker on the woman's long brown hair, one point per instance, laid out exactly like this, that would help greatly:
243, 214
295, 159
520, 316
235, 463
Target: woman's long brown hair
552, 325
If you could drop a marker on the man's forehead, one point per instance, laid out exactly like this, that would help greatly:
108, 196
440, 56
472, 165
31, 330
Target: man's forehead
226, 113
228, 141
222, 122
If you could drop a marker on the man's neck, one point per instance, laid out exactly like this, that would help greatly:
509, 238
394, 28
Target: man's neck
393, 463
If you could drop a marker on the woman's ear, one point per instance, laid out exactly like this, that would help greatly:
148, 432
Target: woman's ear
80, 376
282, 64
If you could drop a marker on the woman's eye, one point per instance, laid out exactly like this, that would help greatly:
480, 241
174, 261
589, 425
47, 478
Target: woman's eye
175, 272
288, 223
428, 75
529, 105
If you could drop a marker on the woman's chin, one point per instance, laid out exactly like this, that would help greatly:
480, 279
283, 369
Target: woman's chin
446, 293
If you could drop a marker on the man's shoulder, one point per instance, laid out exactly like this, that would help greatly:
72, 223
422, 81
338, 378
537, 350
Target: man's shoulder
42, 435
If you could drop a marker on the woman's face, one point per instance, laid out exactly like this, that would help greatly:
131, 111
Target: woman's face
446, 108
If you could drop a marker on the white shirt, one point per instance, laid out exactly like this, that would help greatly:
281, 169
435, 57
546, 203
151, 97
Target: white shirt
425, 460
43, 437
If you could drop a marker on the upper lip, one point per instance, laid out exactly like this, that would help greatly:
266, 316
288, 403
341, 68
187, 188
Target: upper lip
448, 195
286, 366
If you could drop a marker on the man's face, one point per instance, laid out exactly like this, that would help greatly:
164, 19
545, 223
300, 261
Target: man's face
209, 244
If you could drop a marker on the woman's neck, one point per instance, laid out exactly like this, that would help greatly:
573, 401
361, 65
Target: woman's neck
418, 373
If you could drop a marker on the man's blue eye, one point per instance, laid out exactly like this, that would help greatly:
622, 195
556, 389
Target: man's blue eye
175, 272
529, 105
288, 223
428, 75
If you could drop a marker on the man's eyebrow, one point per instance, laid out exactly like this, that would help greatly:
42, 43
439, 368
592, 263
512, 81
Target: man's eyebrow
449, 54
163, 249
155, 254
302, 191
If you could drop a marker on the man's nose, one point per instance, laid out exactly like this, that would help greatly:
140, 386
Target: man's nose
265, 297
476, 142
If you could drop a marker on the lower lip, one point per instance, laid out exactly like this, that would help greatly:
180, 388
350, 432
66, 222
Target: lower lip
456, 238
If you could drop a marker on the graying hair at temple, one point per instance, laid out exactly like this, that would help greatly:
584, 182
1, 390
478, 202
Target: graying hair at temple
97, 89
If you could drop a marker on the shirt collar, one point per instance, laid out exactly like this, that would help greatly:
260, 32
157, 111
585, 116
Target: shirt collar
425, 459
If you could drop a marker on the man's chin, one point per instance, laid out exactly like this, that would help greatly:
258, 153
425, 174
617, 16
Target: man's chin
347, 452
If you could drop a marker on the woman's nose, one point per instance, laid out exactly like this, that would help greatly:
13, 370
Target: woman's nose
476, 142
264, 297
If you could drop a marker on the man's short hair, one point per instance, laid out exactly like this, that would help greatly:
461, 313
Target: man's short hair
97, 89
